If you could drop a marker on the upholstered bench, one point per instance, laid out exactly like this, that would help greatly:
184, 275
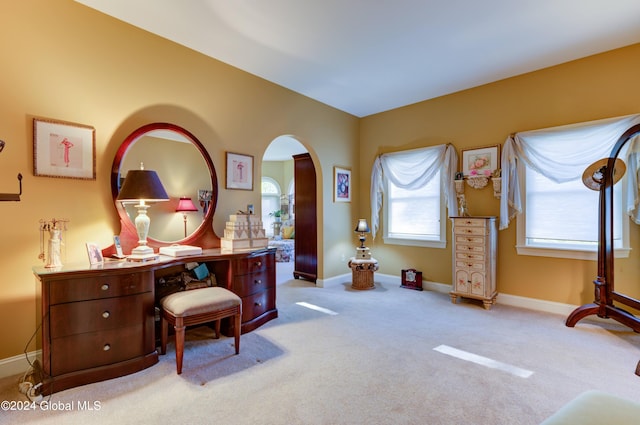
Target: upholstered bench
596, 408
195, 307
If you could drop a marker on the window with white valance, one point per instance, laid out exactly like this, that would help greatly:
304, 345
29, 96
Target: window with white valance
411, 180
541, 180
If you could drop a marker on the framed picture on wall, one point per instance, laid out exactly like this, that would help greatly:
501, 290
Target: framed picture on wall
63, 149
480, 161
239, 171
341, 184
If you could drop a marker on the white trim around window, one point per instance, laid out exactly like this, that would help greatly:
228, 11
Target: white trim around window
438, 237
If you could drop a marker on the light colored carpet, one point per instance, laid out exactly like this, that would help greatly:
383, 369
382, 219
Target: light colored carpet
372, 363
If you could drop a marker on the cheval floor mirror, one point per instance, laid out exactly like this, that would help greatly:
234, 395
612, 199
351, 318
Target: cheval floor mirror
601, 176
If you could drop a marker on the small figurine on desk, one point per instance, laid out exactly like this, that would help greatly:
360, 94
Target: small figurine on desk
55, 228
462, 209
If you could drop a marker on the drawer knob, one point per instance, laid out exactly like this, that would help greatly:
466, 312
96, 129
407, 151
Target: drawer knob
257, 304
258, 263
257, 282
106, 347
106, 314
104, 286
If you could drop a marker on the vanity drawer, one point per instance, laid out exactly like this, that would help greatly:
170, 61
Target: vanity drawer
83, 351
250, 283
99, 286
253, 264
257, 304
97, 315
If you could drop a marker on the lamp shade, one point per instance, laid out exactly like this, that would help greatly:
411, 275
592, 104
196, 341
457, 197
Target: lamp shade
185, 204
362, 226
142, 185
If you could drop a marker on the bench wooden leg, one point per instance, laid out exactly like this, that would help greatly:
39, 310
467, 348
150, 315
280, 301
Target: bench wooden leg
164, 333
238, 325
216, 329
180, 330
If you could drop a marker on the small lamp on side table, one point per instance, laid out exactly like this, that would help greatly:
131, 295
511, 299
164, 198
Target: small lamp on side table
362, 252
362, 265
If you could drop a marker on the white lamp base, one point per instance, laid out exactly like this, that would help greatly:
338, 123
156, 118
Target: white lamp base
142, 253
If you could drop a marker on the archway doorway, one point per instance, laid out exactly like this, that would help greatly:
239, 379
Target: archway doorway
279, 198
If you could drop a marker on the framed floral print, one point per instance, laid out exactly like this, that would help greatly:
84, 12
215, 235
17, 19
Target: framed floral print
480, 161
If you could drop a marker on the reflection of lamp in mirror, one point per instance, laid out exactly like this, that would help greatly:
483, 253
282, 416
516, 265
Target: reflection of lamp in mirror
142, 186
184, 206
362, 252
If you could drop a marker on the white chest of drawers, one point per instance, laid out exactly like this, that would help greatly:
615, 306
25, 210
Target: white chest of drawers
474, 259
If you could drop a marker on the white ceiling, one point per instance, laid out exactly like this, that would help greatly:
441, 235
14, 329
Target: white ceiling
369, 56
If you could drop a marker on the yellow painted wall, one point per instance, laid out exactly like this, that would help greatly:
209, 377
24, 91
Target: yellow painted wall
64, 61
602, 86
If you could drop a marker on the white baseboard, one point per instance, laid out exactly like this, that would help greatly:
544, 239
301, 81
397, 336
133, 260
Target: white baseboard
17, 365
513, 300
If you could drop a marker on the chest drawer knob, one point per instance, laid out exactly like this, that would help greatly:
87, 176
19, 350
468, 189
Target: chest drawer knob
105, 286
106, 347
257, 281
258, 263
257, 304
106, 314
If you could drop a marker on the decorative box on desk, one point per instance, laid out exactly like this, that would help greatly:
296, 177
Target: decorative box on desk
243, 231
180, 250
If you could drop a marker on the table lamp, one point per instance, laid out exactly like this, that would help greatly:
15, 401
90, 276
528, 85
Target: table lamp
185, 205
142, 186
362, 227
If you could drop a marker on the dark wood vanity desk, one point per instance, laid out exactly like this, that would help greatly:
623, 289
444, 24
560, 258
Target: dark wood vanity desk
99, 322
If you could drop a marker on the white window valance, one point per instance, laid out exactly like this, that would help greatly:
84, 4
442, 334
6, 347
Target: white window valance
412, 169
562, 154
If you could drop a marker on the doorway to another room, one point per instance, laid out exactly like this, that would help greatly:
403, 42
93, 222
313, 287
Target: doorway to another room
278, 211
